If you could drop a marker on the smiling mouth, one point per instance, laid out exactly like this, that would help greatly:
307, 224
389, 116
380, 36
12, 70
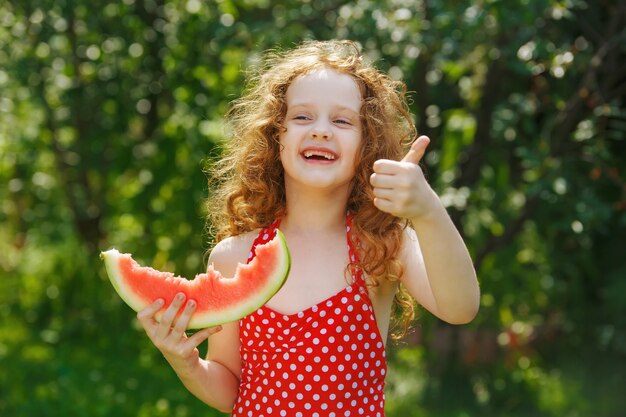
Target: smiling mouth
314, 155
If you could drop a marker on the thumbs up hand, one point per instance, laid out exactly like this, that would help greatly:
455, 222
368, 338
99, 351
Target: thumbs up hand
400, 187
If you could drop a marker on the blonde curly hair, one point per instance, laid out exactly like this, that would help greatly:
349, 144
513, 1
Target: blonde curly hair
247, 189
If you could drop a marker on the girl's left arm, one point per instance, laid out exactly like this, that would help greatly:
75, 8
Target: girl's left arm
438, 270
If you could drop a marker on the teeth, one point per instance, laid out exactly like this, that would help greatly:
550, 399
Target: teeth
326, 155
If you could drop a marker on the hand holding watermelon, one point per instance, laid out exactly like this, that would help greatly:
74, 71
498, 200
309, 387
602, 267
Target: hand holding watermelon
169, 335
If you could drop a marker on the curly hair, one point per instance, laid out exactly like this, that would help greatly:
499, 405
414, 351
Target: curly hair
247, 184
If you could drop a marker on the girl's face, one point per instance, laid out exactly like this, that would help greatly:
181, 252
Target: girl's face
323, 131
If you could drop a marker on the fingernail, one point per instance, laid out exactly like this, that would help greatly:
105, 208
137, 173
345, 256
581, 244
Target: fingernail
191, 304
180, 296
160, 302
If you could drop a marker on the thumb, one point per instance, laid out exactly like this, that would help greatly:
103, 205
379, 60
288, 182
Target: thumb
418, 148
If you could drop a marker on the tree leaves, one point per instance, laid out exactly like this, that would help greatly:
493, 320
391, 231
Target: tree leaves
108, 111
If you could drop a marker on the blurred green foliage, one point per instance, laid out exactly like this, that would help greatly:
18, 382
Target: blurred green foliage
111, 110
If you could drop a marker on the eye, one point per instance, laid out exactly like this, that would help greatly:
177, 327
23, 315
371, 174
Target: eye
301, 117
343, 121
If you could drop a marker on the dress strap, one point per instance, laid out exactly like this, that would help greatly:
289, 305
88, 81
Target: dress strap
265, 235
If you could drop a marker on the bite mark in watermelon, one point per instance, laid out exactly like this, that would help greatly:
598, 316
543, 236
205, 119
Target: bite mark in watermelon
218, 299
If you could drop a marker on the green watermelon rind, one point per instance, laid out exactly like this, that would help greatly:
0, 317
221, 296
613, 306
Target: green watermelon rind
201, 320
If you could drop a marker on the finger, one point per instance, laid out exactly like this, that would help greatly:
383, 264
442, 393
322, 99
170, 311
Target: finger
382, 180
200, 336
418, 148
384, 193
383, 204
387, 166
146, 315
183, 320
170, 314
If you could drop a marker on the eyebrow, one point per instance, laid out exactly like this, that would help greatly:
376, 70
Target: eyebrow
338, 107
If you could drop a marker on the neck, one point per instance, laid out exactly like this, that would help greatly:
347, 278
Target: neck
315, 211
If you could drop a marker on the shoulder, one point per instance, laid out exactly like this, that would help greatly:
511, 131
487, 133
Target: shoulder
227, 253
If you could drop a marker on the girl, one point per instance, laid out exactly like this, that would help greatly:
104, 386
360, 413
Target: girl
317, 150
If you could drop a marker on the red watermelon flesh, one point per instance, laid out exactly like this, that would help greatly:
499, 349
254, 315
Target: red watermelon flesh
219, 300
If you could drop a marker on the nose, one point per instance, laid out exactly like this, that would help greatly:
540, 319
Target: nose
320, 131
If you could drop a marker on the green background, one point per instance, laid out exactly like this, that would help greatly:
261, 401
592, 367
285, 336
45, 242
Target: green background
111, 111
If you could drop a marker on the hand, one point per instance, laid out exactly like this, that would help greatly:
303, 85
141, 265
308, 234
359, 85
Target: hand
168, 335
400, 187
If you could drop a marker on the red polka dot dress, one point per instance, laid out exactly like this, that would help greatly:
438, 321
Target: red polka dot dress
325, 361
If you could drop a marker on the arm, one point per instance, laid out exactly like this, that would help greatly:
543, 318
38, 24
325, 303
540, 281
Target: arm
438, 269
439, 273
214, 380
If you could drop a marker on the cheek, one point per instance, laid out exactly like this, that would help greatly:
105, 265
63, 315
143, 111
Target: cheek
286, 149
357, 147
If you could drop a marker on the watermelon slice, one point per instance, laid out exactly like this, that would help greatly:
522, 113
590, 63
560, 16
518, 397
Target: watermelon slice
219, 299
